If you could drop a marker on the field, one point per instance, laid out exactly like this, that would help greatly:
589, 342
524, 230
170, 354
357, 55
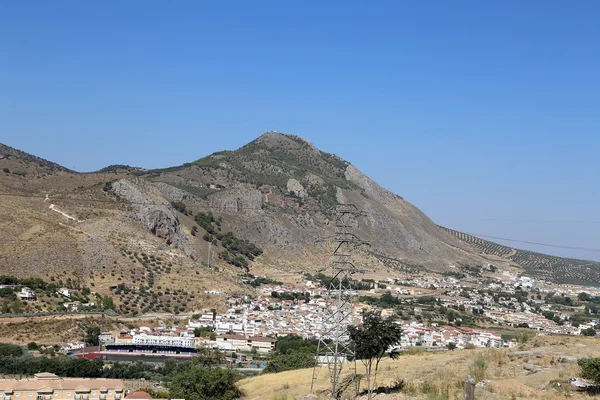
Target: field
501, 373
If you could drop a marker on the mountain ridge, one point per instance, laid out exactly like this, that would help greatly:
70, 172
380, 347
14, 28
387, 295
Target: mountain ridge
273, 192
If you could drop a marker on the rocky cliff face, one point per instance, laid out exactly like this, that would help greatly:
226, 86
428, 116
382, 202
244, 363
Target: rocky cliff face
151, 210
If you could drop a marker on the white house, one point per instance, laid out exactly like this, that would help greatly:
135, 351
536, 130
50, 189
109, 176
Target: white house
64, 292
27, 294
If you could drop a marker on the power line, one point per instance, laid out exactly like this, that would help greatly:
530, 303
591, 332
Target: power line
509, 219
535, 243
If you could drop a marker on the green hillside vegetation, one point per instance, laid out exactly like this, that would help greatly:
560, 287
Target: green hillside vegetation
236, 251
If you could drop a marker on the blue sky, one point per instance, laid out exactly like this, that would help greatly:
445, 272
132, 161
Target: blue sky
483, 114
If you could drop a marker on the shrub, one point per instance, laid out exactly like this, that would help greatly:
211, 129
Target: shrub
6, 170
525, 336
478, 368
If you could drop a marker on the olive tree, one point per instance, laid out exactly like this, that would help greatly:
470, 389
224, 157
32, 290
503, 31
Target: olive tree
371, 341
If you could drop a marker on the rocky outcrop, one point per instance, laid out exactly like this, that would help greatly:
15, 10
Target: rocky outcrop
151, 210
293, 186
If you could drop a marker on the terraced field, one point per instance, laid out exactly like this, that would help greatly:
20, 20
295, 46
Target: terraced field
541, 266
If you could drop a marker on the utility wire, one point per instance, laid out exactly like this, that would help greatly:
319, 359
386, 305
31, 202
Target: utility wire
535, 243
509, 219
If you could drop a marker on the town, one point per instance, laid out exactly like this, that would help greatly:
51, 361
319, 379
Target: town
436, 312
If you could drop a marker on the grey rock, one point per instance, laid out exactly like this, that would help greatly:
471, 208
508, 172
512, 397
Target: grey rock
151, 210
529, 366
296, 187
566, 359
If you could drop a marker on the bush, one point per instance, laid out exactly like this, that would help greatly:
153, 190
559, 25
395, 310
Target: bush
6, 170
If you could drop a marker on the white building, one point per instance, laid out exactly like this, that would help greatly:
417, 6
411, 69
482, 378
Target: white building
27, 294
165, 341
64, 292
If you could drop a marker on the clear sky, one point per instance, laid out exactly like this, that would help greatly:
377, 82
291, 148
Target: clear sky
484, 114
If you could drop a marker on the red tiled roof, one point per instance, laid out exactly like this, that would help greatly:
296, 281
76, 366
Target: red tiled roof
139, 395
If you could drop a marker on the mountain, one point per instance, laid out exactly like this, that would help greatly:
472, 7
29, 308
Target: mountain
278, 190
172, 234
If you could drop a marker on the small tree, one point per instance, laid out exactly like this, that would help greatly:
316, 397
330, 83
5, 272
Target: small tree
451, 345
372, 341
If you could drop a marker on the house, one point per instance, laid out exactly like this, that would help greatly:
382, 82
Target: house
47, 386
248, 343
74, 306
27, 294
64, 292
106, 338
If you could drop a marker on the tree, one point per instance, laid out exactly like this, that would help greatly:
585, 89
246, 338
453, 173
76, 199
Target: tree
590, 369
372, 341
208, 356
32, 346
584, 297
451, 346
92, 335
200, 383
588, 332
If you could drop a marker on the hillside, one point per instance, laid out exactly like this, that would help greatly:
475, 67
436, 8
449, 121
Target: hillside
543, 266
143, 236
428, 376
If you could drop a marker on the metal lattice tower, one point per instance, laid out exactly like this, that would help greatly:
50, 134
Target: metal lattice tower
334, 348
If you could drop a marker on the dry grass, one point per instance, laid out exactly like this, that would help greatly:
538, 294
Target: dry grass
441, 375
